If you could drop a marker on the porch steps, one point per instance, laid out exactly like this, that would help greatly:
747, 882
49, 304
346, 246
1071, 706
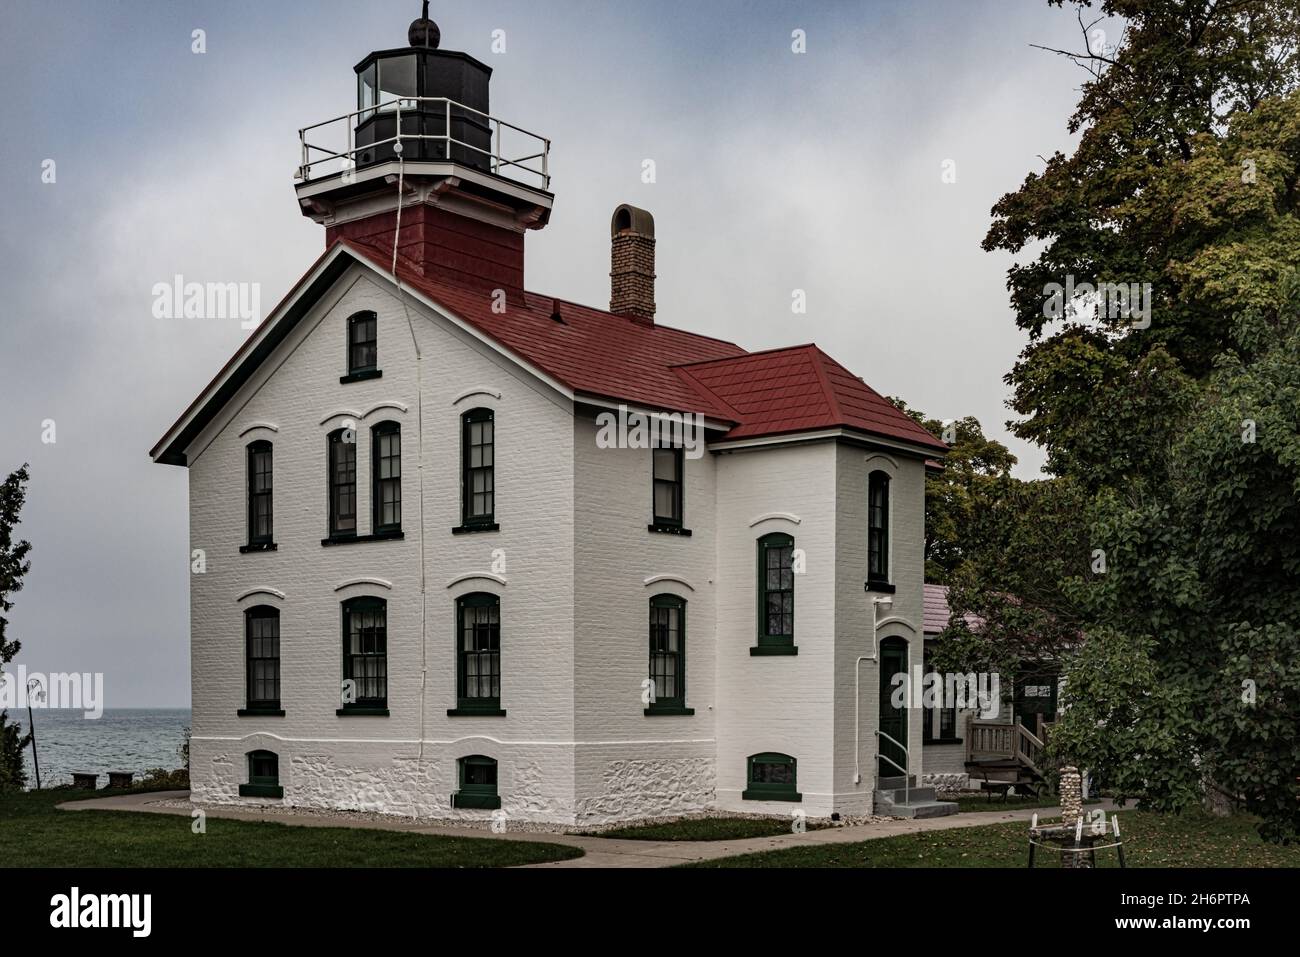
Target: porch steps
894, 799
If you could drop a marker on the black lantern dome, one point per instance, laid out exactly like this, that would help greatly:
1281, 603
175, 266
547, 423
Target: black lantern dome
439, 93
424, 32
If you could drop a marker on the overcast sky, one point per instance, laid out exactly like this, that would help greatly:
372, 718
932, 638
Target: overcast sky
775, 172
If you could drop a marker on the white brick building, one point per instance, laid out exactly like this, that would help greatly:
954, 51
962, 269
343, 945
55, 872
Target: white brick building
429, 588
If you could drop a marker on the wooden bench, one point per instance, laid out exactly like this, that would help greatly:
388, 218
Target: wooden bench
85, 780
120, 779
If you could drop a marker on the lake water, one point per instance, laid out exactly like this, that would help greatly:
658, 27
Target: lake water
122, 739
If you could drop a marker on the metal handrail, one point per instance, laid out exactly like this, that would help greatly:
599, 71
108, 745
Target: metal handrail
907, 785
499, 160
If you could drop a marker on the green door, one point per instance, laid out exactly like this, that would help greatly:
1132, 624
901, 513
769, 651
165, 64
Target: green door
893, 721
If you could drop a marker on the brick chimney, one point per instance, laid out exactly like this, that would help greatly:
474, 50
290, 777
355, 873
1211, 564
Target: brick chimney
632, 264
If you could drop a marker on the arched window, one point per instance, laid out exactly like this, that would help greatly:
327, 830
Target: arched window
365, 654
263, 776
342, 451
478, 469
877, 528
262, 669
363, 346
478, 654
477, 782
260, 529
775, 595
668, 655
771, 777
386, 477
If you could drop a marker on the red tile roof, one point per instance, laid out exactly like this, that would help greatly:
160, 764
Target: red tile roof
601, 355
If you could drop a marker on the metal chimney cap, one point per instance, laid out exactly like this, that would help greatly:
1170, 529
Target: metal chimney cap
424, 32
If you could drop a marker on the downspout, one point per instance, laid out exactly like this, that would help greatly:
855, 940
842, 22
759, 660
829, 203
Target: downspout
857, 689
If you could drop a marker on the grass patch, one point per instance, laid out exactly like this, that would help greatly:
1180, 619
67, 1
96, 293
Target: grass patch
706, 829
1150, 840
979, 802
34, 833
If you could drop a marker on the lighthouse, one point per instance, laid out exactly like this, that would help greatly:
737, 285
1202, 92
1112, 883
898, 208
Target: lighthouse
422, 165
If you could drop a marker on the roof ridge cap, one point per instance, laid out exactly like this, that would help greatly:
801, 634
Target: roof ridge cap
819, 367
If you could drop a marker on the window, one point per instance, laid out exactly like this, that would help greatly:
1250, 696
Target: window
478, 484
343, 482
477, 776
775, 595
478, 655
386, 473
877, 528
363, 349
668, 487
668, 655
262, 639
771, 777
365, 654
263, 776
259, 494
948, 724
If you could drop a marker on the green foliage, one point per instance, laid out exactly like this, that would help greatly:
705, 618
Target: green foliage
1176, 447
13, 565
972, 471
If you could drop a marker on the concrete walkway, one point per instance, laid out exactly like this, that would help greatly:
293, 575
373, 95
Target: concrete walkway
599, 851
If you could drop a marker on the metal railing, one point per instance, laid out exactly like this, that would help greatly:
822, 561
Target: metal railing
531, 166
907, 784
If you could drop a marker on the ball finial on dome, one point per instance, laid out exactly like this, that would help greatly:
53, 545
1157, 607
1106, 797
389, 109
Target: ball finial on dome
424, 32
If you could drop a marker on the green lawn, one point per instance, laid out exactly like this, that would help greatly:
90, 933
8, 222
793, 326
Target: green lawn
34, 833
1150, 840
706, 829
980, 802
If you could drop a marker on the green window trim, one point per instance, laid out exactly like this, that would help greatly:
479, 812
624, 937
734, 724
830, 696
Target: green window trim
877, 529
771, 776
775, 590
261, 527
667, 488
386, 479
365, 653
476, 779
667, 654
341, 479
363, 345
478, 654
478, 468
262, 659
263, 775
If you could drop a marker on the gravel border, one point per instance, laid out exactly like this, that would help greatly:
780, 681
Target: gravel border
512, 826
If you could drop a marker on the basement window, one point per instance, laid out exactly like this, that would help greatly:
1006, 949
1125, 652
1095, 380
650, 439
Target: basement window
263, 776
771, 777
477, 775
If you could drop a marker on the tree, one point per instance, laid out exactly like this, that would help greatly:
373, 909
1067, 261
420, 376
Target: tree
1185, 177
973, 471
13, 565
1173, 434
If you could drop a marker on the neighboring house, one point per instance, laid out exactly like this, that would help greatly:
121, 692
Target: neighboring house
963, 748
430, 586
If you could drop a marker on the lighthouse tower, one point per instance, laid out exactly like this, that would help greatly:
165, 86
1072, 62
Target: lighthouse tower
422, 147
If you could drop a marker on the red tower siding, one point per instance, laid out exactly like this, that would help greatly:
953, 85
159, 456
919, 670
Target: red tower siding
444, 246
